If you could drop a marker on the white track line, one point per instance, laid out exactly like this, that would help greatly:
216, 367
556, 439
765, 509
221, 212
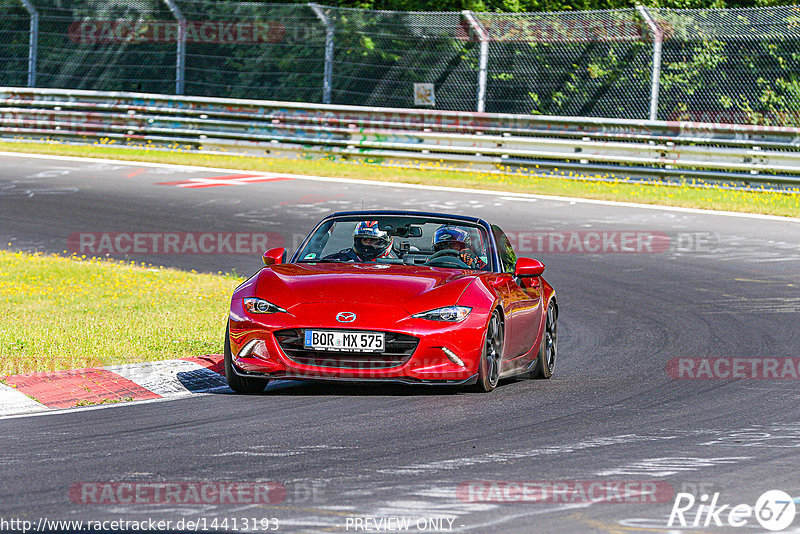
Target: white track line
507, 195
62, 411
14, 402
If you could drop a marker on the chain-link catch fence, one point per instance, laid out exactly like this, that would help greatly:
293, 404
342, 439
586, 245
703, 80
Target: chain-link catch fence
711, 65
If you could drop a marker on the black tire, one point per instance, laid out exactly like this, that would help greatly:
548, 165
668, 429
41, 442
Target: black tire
548, 348
491, 356
240, 384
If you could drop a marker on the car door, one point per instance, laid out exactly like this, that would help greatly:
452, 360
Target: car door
522, 304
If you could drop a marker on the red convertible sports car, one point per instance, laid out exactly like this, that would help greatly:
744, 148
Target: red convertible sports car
394, 296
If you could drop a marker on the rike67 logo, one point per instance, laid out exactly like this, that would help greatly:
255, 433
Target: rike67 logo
774, 510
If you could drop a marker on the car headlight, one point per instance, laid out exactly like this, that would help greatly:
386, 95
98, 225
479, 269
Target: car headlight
450, 314
254, 305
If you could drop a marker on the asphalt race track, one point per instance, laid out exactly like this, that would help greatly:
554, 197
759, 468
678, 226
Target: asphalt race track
718, 286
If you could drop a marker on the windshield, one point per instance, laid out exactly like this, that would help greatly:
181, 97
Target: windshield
399, 240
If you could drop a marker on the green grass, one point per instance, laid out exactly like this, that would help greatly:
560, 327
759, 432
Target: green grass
68, 312
784, 204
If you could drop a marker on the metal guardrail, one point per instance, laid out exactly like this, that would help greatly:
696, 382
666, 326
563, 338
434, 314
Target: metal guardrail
592, 148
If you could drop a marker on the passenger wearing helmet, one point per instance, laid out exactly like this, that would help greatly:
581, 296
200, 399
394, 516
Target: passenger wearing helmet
449, 237
369, 244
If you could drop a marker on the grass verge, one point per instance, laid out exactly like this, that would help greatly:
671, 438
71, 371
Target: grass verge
770, 203
61, 313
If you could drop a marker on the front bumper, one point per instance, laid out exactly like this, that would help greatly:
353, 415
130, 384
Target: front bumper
322, 378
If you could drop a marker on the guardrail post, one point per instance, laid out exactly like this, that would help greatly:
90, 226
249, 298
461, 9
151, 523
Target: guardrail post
658, 38
330, 30
180, 60
483, 64
33, 42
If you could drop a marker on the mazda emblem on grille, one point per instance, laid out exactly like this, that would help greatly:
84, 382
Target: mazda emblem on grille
345, 317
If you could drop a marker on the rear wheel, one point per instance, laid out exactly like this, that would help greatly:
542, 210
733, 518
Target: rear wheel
548, 349
239, 384
489, 367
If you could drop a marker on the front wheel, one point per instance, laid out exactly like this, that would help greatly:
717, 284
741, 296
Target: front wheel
239, 384
492, 355
548, 348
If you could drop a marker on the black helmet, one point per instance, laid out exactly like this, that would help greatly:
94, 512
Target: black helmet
451, 237
369, 241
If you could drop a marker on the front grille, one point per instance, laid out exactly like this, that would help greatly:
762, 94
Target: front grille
398, 349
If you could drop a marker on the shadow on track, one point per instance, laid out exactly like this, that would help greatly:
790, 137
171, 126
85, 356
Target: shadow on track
298, 388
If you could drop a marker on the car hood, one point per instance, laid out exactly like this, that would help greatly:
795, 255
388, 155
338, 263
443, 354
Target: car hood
413, 288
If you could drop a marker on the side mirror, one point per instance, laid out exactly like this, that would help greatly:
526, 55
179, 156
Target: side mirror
274, 256
528, 267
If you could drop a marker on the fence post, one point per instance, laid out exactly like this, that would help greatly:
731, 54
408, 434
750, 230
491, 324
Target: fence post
483, 64
180, 60
658, 38
33, 42
330, 29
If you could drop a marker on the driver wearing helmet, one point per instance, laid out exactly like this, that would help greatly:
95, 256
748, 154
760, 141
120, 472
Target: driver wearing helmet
449, 237
369, 244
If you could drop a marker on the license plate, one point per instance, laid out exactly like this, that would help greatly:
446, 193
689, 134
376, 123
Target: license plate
344, 341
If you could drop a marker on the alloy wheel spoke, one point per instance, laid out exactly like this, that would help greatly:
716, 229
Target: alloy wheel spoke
551, 337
